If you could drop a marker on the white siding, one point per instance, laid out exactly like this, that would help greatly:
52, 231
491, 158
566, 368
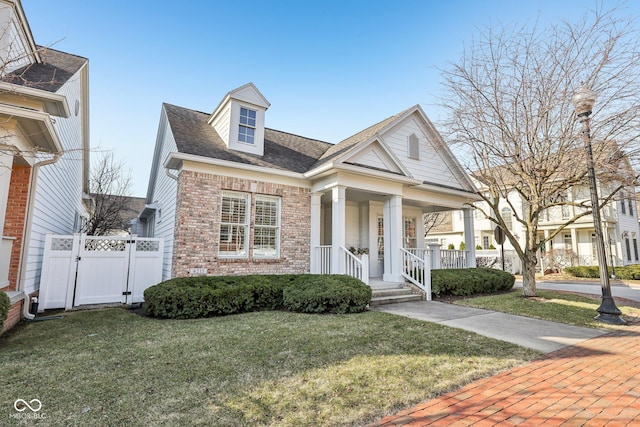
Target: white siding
58, 193
433, 167
164, 194
222, 123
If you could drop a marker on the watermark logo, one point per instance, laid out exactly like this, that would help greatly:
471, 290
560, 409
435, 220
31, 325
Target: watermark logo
21, 406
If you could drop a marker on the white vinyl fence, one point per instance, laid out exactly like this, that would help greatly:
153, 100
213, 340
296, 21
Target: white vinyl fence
80, 269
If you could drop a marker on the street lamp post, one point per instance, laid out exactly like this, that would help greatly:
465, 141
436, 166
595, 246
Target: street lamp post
583, 101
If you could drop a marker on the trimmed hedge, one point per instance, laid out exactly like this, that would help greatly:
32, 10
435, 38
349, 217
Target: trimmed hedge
327, 294
628, 272
5, 304
469, 281
194, 297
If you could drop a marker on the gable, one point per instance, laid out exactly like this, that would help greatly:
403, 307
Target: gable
423, 153
375, 156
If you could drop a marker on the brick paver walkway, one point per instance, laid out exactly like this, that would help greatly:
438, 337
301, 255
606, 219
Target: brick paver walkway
595, 383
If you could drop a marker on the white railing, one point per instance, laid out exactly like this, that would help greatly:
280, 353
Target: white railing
450, 259
354, 266
419, 252
6, 243
417, 270
324, 259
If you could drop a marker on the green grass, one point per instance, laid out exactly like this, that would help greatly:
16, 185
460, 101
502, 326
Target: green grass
549, 305
111, 367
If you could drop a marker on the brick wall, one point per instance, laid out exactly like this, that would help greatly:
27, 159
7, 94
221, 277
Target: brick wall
14, 316
198, 226
15, 217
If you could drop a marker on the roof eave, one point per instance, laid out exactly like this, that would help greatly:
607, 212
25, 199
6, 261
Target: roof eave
54, 103
174, 161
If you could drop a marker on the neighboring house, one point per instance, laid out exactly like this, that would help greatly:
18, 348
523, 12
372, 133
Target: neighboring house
231, 196
576, 244
44, 142
113, 214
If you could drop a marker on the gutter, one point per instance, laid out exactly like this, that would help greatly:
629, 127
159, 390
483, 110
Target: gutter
27, 230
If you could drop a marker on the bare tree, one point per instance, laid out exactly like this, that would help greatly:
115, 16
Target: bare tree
110, 185
433, 220
510, 112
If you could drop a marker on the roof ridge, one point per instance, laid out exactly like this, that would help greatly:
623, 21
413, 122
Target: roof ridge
61, 51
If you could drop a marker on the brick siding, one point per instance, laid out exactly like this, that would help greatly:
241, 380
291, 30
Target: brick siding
16, 216
14, 316
197, 226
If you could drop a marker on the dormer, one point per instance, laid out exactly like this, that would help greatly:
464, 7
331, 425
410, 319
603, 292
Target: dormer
239, 119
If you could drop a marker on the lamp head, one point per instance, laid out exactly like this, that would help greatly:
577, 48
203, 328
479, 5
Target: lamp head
583, 100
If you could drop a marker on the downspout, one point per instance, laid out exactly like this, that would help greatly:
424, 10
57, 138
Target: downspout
170, 175
27, 230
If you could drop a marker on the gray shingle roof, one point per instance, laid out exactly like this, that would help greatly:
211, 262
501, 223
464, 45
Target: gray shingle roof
364, 135
55, 70
284, 151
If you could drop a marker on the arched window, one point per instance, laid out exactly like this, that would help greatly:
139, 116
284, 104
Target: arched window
414, 147
507, 217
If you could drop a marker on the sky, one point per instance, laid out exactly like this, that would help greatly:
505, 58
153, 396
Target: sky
328, 68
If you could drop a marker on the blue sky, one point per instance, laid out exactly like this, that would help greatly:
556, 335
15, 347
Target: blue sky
329, 68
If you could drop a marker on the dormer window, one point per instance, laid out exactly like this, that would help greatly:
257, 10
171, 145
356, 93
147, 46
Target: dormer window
247, 127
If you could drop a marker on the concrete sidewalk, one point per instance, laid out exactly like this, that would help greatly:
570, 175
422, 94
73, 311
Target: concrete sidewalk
536, 334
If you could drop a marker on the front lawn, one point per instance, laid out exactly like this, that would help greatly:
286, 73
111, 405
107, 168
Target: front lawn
555, 306
112, 367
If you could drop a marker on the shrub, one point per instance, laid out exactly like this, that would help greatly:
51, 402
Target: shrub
469, 281
5, 304
335, 294
194, 297
628, 272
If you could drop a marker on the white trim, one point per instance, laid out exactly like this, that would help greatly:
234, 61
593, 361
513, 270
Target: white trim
20, 114
54, 103
173, 162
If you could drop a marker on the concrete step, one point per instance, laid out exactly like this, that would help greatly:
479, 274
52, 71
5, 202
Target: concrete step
393, 296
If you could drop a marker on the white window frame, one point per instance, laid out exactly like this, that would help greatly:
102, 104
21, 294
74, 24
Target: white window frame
275, 253
241, 225
247, 125
406, 238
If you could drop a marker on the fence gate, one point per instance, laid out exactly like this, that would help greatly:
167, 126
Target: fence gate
80, 269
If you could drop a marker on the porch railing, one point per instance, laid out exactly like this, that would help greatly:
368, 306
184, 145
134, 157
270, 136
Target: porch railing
417, 270
354, 266
453, 259
324, 259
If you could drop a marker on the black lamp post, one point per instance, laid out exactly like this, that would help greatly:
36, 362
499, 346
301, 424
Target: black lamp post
583, 101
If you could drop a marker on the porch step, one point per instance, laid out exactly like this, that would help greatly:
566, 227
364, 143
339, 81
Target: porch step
393, 296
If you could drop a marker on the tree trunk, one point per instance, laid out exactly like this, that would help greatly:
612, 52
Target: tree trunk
529, 274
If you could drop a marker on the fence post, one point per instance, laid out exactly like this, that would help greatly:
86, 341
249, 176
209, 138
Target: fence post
427, 276
434, 248
365, 268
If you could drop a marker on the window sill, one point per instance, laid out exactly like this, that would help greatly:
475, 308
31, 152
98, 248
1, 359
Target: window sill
251, 260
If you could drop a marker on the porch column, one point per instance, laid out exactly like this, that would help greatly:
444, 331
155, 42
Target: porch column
314, 240
6, 164
338, 221
392, 239
469, 237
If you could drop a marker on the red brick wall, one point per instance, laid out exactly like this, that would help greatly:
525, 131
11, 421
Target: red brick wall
198, 226
16, 216
14, 316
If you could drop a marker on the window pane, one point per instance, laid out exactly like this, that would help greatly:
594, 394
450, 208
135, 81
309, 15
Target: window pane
233, 224
266, 240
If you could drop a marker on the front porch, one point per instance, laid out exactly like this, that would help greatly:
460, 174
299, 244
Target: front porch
379, 238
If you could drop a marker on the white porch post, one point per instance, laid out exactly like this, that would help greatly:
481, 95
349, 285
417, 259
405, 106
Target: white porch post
314, 241
6, 165
393, 239
469, 237
338, 221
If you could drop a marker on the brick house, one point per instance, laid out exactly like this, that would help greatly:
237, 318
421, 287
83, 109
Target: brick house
231, 196
44, 140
